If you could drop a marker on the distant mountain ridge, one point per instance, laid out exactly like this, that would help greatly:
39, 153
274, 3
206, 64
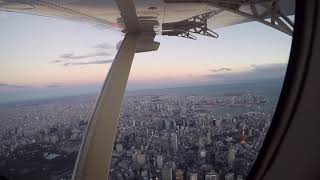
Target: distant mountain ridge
267, 87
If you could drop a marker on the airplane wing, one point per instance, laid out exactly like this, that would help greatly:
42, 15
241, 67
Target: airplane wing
168, 17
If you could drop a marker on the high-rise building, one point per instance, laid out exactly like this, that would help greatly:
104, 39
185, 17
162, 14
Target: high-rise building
174, 142
134, 156
231, 156
209, 140
159, 161
242, 138
193, 176
218, 122
179, 174
202, 153
239, 177
166, 172
211, 176
141, 159
229, 176
119, 148
144, 174
250, 132
201, 142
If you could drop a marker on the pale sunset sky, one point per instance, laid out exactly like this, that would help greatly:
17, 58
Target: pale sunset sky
41, 54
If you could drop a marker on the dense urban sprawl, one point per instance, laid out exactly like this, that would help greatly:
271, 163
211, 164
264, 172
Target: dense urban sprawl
165, 136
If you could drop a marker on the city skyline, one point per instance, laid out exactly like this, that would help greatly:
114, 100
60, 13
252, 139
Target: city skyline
216, 132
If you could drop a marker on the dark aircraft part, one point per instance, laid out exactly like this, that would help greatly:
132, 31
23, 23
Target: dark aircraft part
145, 43
196, 24
178, 33
267, 12
294, 134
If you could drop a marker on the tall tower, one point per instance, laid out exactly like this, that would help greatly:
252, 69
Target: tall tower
167, 172
159, 161
231, 156
242, 138
201, 142
174, 142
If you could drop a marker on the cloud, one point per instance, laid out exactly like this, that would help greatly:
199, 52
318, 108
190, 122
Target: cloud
104, 46
55, 85
73, 56
88, 63
268, 67
261, 71
220, 70
56, 61
66, 59
12, 85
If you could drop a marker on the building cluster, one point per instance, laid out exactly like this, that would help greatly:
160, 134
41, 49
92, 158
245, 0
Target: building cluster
43, 122
182, 137
168, 136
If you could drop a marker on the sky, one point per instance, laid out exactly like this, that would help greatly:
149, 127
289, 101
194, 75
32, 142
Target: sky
42, 57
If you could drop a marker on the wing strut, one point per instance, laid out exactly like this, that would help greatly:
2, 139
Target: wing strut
95, 153
96, 150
